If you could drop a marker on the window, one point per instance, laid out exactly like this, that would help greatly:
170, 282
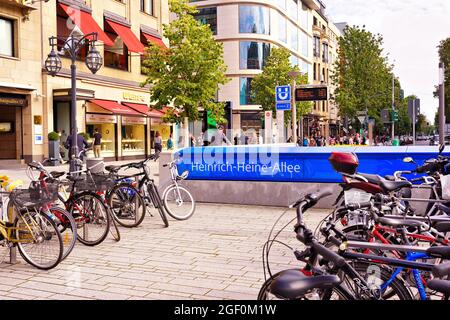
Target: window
315, 71
147, 6
304, 17
282, 28
254, 19
305, 44
116, 56
253, 55
305, 67
292, 9
246, 89
294, 61
317, 47
208, 16
294, 37
282, 3
64, 29
325, 52
7, 39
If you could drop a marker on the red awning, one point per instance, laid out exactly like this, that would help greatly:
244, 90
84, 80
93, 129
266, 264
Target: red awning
131, 41
114, 107
144, 109
154, 40
86, 23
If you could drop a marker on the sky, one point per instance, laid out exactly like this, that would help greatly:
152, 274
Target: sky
412, 30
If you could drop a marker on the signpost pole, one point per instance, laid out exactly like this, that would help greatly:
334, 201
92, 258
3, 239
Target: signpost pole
294, 112
441, 103
414, 122
280, 126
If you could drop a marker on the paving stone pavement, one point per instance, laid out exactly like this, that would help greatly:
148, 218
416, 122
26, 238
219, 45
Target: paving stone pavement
214, 255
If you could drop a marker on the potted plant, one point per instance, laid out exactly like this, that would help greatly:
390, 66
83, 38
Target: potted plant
54, 147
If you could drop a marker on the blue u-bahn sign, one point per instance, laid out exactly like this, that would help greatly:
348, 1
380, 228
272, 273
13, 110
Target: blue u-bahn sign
289, 164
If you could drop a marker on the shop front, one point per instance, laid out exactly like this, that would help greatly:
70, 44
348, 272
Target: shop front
11, 126
134, 137
106, 124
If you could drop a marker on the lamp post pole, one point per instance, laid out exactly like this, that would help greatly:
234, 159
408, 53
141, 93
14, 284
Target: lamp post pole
442, 119
53, 65
393, 106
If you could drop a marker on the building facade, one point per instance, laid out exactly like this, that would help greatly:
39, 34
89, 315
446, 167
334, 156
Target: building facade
32, 103
248, 30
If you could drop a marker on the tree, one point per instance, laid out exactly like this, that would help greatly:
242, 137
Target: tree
276, 73
362, 76
444, 54
188, 74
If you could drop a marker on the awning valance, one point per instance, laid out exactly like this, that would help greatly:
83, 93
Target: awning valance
154, 40
126, 34
115, 107
86, 23
144, 109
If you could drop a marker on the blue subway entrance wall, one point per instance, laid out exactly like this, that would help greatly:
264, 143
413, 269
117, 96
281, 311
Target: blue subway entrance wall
290, 164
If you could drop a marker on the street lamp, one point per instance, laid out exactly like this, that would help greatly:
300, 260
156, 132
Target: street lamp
441, 103
294, 75
53, 65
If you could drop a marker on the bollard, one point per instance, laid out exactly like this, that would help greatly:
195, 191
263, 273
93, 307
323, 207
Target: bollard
13, 255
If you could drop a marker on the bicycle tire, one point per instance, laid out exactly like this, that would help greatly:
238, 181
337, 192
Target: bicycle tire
157, 203
47, 237
81, 235
117, 209
339, 290
68, 243
168, 207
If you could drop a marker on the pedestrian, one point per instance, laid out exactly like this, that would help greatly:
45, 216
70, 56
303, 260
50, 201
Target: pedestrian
192, 140
219, 138
97, 143
82, 144
170, 143
158, 142
306, 142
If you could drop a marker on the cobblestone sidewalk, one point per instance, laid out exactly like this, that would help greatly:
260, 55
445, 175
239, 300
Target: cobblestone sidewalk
215, 255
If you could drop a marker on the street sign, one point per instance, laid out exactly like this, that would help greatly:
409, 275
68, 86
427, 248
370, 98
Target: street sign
283, 94
362, 116
394, 116
311, 93
385, 116
283, 106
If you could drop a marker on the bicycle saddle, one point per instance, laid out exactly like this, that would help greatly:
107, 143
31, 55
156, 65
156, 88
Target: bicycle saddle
56, 174
442, 270
443, 227
399, 222
112, 168
439, 252
441, 286
391, 186
372, 178
390, 178
292, 284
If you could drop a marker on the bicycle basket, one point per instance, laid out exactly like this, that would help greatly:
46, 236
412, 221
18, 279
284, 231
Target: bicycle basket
36, 195
95, 182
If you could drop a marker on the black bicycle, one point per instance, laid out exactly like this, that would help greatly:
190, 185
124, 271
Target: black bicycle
146, 187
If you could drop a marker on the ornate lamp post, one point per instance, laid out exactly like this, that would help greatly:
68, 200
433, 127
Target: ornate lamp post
53, 65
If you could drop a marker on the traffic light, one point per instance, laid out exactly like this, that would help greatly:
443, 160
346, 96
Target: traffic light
395, 116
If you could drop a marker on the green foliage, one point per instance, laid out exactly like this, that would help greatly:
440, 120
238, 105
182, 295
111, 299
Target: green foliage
53, 136
444, 54
276, 73
362, 76
188, 74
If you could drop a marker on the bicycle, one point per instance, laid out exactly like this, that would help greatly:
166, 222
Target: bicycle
175, 196
32, 232
144, 185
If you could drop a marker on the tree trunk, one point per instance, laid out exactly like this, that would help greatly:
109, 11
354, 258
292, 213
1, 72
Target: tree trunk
186, 139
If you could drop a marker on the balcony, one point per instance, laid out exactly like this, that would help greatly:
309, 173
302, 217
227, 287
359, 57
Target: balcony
25, 5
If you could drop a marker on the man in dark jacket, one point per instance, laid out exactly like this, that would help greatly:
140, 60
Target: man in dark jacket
81, 144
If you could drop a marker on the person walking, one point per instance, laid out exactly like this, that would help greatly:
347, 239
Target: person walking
81, 144
97, 143
220, 139
158, 142
170, 143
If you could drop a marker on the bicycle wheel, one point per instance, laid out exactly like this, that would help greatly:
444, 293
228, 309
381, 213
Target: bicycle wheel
91, 216
336, 293
67, 227
127, 205
157, 203
376, 276
113, 229
38, 239
179, 202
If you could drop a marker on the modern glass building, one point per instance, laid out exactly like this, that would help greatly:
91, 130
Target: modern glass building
248, 31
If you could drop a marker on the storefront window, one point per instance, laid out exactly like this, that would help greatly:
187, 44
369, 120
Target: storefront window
133, 136
208, 16
253, 55
107, 130
254, 19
